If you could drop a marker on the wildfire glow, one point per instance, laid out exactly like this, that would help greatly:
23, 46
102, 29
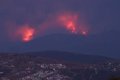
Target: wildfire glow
69, 21
26, 33
71, 26
66, 20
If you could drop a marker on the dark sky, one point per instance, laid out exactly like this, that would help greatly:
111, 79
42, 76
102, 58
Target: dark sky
99, 15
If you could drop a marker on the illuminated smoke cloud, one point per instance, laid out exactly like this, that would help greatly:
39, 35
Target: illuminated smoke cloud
71, 22
34, 18
26, 33
66, 20
75, 16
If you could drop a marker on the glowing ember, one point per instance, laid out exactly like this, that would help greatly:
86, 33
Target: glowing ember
26, 33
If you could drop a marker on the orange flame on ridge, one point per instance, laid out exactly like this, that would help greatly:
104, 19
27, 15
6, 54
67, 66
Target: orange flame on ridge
26, 33
69, 21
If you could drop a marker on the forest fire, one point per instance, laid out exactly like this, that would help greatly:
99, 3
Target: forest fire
26, 33
69, 21
71, 26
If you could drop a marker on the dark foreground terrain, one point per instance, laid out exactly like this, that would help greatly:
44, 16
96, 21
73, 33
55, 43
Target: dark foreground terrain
42, 67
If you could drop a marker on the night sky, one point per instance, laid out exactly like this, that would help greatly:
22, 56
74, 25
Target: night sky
26, 20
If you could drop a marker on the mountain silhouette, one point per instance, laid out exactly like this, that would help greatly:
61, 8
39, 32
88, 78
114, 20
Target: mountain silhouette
105, 44
72, 57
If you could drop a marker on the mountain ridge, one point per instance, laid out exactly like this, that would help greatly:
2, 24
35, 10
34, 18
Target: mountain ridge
105, 44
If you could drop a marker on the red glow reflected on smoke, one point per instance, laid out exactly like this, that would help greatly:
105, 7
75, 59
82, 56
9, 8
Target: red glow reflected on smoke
26, 33
71, 26
69, 21
72, 23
